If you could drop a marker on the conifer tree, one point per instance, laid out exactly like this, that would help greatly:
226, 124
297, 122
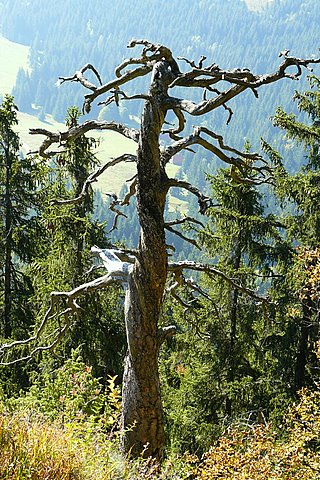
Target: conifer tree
65, 259
244, 241
301, 191
18, 224
220, 365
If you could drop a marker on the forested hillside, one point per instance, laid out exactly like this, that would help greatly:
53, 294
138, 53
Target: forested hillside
64, 38
176, 334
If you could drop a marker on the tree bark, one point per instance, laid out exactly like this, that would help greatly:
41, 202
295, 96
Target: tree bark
142, 416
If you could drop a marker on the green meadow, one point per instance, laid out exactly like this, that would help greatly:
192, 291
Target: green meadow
13, 56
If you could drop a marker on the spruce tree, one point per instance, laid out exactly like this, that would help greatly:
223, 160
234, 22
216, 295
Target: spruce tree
19, 225
65, 260
244, 241
220, 368
301, 192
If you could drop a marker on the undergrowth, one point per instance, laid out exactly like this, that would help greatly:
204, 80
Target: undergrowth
77, 437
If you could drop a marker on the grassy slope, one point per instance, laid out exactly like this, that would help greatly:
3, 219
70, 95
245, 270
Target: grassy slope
12, 56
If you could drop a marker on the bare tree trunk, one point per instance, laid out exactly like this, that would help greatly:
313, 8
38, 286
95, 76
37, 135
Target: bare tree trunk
142, 408
142, 416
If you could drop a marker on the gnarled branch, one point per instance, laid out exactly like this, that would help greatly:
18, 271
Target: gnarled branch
53, 312
243, 162
196, 139
74, 132
173, 132
117, 93
79, 77
203, 201
240, 79
93, 178
145, 62
188, 305
126, 201
184, 237
211, 270
181, 221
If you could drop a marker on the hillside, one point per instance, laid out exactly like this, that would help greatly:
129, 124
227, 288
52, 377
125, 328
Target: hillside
257, 5
13, 56
232, 33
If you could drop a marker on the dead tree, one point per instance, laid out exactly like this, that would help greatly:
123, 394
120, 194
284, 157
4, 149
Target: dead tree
145, 272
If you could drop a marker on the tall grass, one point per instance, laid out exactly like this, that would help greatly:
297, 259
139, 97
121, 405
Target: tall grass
32, 449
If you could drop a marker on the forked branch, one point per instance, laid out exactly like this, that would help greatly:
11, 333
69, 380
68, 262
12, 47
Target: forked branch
240, 79
79, 77
251, 167
173, 132
186, 220
184, 237
204, 201
195, 138
72, 133
93, 178
124, 202
71, 308
211, 270
151, 54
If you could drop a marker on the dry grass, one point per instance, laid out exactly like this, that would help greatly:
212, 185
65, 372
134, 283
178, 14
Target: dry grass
31, 449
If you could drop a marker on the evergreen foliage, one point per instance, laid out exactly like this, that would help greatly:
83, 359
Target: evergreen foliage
221, 356
65, 258
19, 225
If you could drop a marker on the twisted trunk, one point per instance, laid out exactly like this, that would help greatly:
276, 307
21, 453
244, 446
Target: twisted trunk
142, 417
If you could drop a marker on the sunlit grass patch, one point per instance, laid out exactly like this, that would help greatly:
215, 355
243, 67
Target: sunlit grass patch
30, 448
13, 56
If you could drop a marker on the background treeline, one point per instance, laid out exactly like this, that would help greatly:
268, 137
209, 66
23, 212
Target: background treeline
64, 36
236, 363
